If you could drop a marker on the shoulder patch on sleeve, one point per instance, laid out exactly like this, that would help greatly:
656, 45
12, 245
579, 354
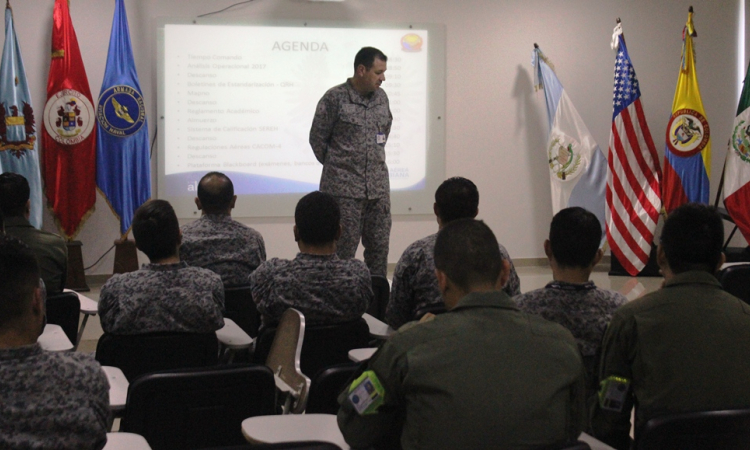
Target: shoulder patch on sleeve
613, 392
366, 393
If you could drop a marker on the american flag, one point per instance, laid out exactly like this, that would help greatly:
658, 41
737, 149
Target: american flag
634, 175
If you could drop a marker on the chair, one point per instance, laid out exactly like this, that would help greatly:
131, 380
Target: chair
726, 430
64, 309
578, 445
326, 387
240, 307
438, 308
284, 360
382, 290
138, 354
736, 281
198, 408
323, 346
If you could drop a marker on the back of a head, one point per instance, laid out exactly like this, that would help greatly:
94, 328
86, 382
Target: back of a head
317, 217
14, 193
456, 198
575, 235
467, 252
19, 276
156, 229
692, 238
215, 192
366, 57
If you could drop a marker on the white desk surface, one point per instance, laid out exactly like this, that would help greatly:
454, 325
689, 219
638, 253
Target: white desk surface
126, 441
118, 387
361, 354
88, 306
232, 336
593, 442
293, 427
53, 338
378, 329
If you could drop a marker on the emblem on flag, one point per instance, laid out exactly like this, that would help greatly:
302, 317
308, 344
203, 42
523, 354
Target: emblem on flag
17, 133
564, 157
121, 111
69, 117
741, 136
687, 133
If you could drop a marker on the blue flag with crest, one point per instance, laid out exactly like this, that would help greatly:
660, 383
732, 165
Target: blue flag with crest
123, 171
18, 138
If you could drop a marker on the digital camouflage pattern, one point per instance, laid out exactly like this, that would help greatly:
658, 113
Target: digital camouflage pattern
52, 400
222, 245
369, 220
162, 297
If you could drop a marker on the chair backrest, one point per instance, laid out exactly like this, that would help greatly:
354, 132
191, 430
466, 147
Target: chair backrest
382, 290
736, 281
726, 430
64, 309
284, 357
326, 387
200, 408
323, 346
435, 309
138, 354
240, 307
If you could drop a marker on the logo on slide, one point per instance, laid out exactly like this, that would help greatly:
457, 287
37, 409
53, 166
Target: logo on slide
121, 111
411, 43
687, 133
741, 136
564, 157
69, 117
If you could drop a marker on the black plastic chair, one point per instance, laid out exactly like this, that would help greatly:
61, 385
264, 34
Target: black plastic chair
578, 445
204, 408
382, 290
64, 309
240, 307
438, 308
725, 430
322, 398
138, 354
323, 345
736, 281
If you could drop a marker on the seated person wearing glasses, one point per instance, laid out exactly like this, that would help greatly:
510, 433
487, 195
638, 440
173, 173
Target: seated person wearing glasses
325, 288
216, 241
167, 294
49, 400
571, 299
414, 283
683, 348
482, 375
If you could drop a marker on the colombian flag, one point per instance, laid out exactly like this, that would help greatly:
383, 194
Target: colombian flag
687, 158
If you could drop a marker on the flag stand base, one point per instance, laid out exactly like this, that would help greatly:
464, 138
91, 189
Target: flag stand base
651, 269
126, 257
75, 279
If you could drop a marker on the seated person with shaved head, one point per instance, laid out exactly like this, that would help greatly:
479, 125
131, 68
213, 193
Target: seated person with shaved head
216, 241
48, 400
325, 288
166, 294
482, 375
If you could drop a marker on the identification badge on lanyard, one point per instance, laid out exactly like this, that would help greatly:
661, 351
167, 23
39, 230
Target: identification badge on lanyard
380, 138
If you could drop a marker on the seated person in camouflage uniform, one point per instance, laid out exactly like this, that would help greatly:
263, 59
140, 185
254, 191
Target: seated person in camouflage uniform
167, 294
50, 400
482, 375
216, 241
683, 348
325, 288
571, 299
414, 284
50, 249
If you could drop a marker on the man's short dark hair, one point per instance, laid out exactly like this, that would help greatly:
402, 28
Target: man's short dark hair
575, 235
156, 229
457, 198
467, 252
317, 217
217, 197
19, 276
692, 238
14, 193
366, 56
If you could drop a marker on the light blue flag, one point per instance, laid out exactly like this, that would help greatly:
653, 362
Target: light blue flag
123, 171
18, 138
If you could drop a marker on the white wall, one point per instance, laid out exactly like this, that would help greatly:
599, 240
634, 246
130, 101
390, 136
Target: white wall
495, 123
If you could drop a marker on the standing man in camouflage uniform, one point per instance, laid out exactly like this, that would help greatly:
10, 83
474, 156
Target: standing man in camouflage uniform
348, 135
217, 242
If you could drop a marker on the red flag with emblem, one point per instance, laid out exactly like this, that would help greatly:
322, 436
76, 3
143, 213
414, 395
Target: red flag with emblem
69, 137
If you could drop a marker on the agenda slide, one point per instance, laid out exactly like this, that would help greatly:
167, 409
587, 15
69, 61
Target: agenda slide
240, 99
